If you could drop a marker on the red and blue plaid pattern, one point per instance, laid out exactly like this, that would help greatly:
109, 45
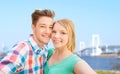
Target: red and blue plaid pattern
25, 58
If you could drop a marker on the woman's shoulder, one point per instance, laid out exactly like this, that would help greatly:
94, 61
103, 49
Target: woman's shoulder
73, 59
76, 57
50, 52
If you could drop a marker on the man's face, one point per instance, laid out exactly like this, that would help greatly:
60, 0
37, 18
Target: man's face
42, 30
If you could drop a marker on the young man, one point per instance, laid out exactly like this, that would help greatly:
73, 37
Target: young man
29, 56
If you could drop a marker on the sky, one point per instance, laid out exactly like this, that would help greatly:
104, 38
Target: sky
89, 16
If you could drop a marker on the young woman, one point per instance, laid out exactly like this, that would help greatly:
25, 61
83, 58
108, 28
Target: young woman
62, 60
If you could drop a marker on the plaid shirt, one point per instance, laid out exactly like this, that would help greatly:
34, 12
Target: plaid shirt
25, 58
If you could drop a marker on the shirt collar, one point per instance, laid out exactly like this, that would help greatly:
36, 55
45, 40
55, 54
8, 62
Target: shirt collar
35, 46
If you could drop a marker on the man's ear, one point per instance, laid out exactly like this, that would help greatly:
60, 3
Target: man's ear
33, 27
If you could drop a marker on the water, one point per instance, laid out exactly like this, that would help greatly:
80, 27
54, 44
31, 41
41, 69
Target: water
101, 63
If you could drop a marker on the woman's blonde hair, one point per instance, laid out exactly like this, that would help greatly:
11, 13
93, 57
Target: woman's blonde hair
69, 26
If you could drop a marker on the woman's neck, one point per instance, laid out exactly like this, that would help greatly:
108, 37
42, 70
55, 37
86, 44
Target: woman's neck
62, 51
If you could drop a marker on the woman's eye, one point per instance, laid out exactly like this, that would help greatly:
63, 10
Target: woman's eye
63, 33
51, 27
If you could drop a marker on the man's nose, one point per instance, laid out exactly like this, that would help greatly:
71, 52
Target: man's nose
48, 30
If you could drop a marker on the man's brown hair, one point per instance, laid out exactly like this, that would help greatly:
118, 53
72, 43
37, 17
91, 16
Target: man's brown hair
39, 13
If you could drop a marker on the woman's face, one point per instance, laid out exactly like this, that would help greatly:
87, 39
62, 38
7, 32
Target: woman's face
59, 36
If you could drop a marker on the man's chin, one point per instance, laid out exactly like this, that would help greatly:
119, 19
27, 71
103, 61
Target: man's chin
46, 42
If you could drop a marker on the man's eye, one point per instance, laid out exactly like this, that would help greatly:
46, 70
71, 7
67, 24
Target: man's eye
41, 26
53, 31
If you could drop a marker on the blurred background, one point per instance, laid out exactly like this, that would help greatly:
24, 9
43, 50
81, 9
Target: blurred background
97, 24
